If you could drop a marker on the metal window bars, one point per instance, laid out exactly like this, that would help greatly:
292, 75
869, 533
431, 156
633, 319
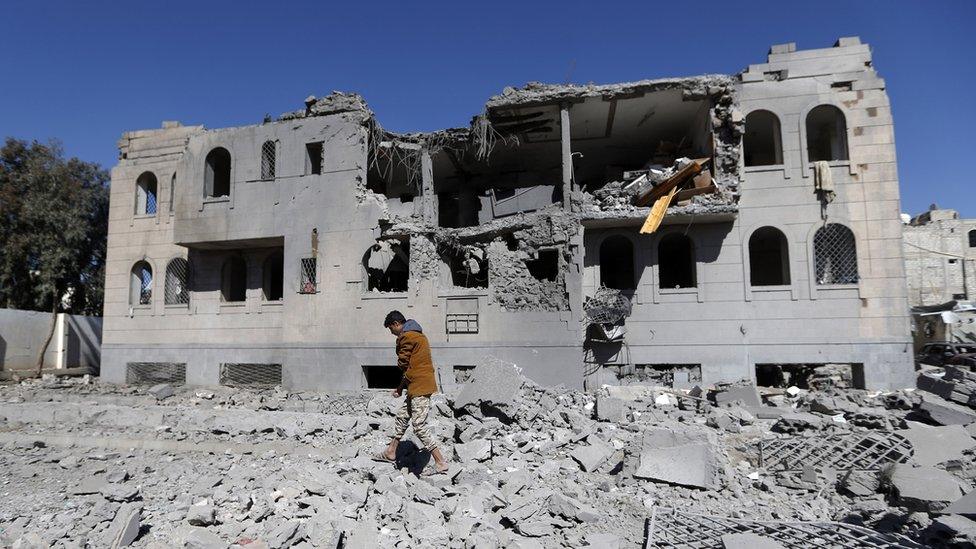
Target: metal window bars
673, 528
308, 282
152, 373
145, 285
862, 451
268, 158
462, 323
835, 255
177, 291
151, 201
250, 374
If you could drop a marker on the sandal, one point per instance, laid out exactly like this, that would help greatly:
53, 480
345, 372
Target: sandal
381, 457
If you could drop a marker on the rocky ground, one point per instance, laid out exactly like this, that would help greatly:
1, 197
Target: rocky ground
86, 464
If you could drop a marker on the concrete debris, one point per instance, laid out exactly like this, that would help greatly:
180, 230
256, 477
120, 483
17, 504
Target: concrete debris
533, 466
492, 389
935, 445
125, 526
922, 488
593, 455
965, 505
943, 412
161, 391
201, 515
748, 540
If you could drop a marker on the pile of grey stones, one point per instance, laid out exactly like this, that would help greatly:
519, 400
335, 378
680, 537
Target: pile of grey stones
532, 467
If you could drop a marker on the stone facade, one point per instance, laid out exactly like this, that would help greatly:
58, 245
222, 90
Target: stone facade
297, 236
940, 257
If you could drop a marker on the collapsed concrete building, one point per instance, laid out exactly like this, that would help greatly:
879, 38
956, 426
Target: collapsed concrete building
271, 253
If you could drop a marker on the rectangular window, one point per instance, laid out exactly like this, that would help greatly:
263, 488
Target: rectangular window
152, 373
382, 377
309, 276
250, 375
462, 323
313, 158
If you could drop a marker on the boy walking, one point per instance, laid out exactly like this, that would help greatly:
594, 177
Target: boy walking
413, 358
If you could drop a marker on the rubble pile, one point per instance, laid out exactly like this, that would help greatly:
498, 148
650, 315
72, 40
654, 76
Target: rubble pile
93, 465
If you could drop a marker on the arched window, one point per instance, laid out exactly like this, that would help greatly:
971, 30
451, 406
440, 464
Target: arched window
826, 134
233, 279
835, 255
676, 261
217, 176
140, 284
273, 276
617, 263
761, 143
146, 194
769, 258
268, 154
972, 238
177, 290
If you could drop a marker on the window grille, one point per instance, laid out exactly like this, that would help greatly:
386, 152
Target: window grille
268, 157
150, 201
145, 285
462, 323
250, 375
835, 255
152, 373
308, 284
177, 282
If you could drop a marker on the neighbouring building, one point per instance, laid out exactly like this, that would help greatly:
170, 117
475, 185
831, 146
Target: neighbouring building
940, 263
271, 253
940, 257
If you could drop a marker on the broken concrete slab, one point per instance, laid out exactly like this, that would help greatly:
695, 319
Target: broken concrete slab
747, 395
923, 488
591, 456
965, 505
748, 540
610, 408
475, 450
492, 390
687, 465
943, 412
125, 526
934, 445
161, 391
201, 515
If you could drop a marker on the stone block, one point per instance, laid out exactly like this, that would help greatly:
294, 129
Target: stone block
161, 391
476, 450
965, 505
748, 540
593, 455
944, 412
125, 526
923, 488
495, 384
687, 465
201, 515
610, 408
748, 395
934, 445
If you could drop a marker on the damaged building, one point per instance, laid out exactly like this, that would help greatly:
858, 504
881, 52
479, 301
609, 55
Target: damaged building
678, 231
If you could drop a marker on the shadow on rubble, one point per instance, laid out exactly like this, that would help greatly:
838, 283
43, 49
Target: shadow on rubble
414, 458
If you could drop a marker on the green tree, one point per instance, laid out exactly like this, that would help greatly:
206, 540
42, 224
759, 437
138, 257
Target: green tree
53, 227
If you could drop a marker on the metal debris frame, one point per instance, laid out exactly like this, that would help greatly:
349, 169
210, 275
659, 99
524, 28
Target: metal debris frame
867, 451
672, 528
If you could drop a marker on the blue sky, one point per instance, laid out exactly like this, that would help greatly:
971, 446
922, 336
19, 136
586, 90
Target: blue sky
84, 72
